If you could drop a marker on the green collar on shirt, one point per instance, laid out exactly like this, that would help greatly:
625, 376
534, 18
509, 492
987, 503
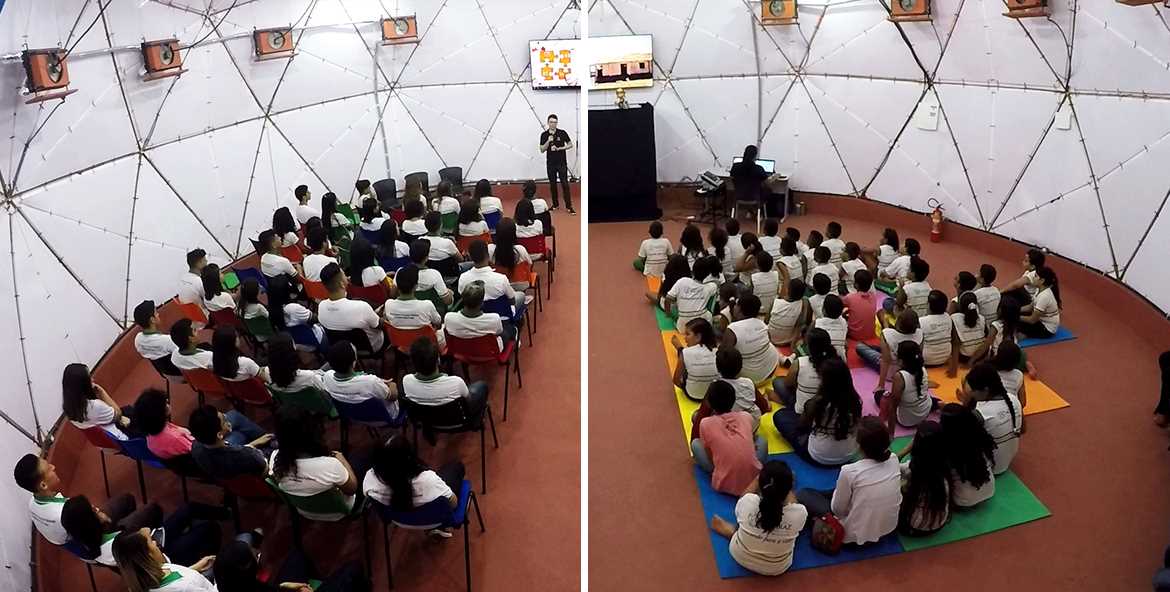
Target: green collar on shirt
109, 536
433, 377
405, 296
149, 332
341, 378
53, 499
170, 578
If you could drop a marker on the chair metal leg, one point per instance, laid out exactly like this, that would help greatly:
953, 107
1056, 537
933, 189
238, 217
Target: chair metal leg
345, 436
105, 477
141, 481
492, 424
519, 376
528, 325
92, 581
386, 553
483, 458
507, 384
466, 554
478, 516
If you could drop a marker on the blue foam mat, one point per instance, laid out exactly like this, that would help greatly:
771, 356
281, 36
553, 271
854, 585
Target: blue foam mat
1062, 334
805, 557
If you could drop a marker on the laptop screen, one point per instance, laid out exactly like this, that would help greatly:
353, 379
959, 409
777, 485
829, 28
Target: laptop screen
769, 166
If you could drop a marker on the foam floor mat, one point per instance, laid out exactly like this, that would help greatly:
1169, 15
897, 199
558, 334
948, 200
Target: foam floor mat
1041, 397
1062, 334
1013, 504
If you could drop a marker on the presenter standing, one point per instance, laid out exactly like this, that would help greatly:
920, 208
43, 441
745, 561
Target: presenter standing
554, 143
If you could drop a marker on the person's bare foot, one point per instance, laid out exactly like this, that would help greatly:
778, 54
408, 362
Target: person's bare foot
1032, 372
1161, 420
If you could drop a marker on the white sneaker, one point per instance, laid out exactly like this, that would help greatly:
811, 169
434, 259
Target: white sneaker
439, 533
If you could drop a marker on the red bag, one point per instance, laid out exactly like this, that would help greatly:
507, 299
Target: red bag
827, 534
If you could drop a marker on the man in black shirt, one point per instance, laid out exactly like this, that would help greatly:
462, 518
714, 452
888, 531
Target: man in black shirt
554, 142
749, 178
219, 458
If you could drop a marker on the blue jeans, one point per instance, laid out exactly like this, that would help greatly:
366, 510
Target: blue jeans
787, 422
872, 356
704, 460
243, 431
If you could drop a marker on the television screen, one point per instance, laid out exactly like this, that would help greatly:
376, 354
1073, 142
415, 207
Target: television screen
554, 63
621, 62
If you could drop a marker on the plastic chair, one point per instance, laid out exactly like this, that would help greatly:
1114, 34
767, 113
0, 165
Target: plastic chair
204, 382
315, 290
304, 335
421, 177
310, 399
167, 371
523, 273
226, 317
371, 413
435, 514
246, 487
538, 245
398, 215
347, 210
293, 253
454, 176
747, 196
387, 190
464, 242
103, 441
191, 310
433, 295
450, 223
361, 342
402, 339
454, 418
185, 467
492, 219
393, 264
251, 391
136, 450
503, 306
251, 273
330, 501
259, 329
75, 549
484, 350
371, 236
375, 294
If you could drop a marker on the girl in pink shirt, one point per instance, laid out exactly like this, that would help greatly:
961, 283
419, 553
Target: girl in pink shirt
726, 447
163, 438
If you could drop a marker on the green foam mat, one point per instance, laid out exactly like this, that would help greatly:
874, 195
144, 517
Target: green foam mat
665, 321
1013, 504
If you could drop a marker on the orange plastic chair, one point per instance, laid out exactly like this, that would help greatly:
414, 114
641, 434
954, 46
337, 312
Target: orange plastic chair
523, 273
402, 339
293, 253
204, 382
538, 245
464, 242
375, 294
190, 310
485, 350
315, 290
103, 441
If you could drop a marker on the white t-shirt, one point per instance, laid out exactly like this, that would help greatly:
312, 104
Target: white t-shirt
817, 303
198, 360
46, 516
1003, 425
248, 368
314, 263
867, 499
153, 346
426, 487
998, 326
766, 286
838, 330
411, 314
1031, 283
914, 405
917, 297
894, 338
465, 327
191, 289
759, 355
255, 310
794, 264
314, 475
767, 553
691, 298
101, 415
970, 338
808, 382
272, 265
302, 380
699, 361
489, 203
727, 263
431, 279
734, 247
356, 388
223, 301
416, 227
539, 206
825, 448
1045, 302
521, 253
441, 248
655, 252
477, 228
851, 267
988, 298
782, 323
1013, 381
771, 244
296, 314
885, 256
828, 269
534, 229
435, 391
184, 579
745, 398
373, 275
305, 212
495, 284
446, 205
345, 314
965, 495
898, 268
835, 246
936, 338
289, 239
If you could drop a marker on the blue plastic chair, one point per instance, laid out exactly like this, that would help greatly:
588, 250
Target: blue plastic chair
492, 219
393, 264
503, 307
304, 335
371, 413
135, 449
253, 274
75, 549
371, 236
435, 514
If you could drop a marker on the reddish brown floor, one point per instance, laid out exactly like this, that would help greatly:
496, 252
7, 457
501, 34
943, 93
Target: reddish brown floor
531, 510
1098, 465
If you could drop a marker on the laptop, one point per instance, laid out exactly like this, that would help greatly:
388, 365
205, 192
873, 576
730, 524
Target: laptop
769, 166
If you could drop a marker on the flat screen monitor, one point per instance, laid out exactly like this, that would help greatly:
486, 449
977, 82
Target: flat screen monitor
554, 63
624, 61
769, 166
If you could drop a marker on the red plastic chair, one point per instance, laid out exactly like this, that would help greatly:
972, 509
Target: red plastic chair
315, 290
402, 339
204, 382
375, 294
251, 391
293, 253
464, 242
485, 350
103, 441
246, 487
227, 317
398, 215
538, 245
192, 311
523, 273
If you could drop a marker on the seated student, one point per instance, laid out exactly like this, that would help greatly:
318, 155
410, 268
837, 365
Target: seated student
431, 387
821, 264
746, 265
388, 246
1041, 318
862, 306
488, 203
470, 220
217, 298
834, 243
272, 263
790, 315
166, 440
1007, 364
445, 202
790, 264
188, 356
868, 495
339, 313
909, 401
88, 405
726, 446
729, 292
653, 252
719, 249
915, 292
987, 294
401, 481
851, 263
696, 368
221, 452
285, 227
371, 216
748, 334
968, 329
794, 234
249, 306
304, 211
191, 283
938, 331
226, 361
152, 344
429, 280
767, 521
815, 238
495, 284
886, 253
884, 358
926, 483
769, 241
898, 270
1006, 328
964, 282
304, 466
527, 224
443, 256
676, 269
39, 477
1025, 288
834, 324
765, 280
237, 569
528, 192
690, 244
804, 376
284, 366
1000, 412
690, 296
414, 226
364, 190
970, 453
729, 364
335, 223
146, 566
408, 312
822, 287
471, 321
507, 253
293, 314
316, 260
363, 265
348, 385
92, 532
825, 433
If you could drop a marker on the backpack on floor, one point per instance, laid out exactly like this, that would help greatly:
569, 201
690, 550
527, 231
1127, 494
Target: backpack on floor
827, 534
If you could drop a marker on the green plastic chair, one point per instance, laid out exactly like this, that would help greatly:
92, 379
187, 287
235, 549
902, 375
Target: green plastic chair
230, 281
432, 295
260, 328
310, 399
450, 223
331, 501
347, 211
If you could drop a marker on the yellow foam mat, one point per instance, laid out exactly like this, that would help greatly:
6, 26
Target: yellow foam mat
1041, 398
687, 407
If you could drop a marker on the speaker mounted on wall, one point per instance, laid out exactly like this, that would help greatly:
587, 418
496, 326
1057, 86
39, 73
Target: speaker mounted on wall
162, 59
902, 11
778, 12
399, 30
273, 44
1026, 8
48, 74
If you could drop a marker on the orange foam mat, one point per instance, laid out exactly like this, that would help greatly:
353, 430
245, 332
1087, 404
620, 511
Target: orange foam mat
1041, 397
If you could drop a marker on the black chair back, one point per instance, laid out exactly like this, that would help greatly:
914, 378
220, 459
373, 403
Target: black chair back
746, 190
423, 178
165, 366
545, 218
454, 176
449, 417
387, 190
355, 336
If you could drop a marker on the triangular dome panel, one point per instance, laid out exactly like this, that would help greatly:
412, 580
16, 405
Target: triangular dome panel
511, 144
679, 147
323, 68
727, 122
1082, 236
458, 48
456, 119
605, 20
802, 148
785, 48
410, 149
516, 23
987, 47
1109, 36
719, 42
334, 137
858, 39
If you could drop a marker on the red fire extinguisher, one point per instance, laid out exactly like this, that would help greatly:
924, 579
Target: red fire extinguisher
936, 220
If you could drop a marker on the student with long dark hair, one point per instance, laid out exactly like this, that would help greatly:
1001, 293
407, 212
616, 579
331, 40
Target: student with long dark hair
908, 402
470, 219
402, 482
676, 268
527, 224
926, 483
1025, 288
487, 202
363, 264
719, 249
506, 252
216, 297
1041, 319
970, 454
191, 530
825, 433
1007, 328
690, 297
1007, 362
305, 466
237, 569
146, 567
334, 222
696, 359
884, 358
999, 411
388, 246
88, 405
371, 216
284, 367
690, 244
803, 381
285, 227
226, 361
767, 521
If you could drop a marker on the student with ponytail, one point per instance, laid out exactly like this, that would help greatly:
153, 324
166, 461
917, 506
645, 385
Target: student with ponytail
926, 486
696, 368
970, 454
999, 411
908, 402
1025, 287
1041, 319
719, 248
969, 331
767, 521
803, 380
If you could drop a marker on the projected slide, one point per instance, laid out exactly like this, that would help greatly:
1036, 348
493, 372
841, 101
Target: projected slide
554, 63
621, 62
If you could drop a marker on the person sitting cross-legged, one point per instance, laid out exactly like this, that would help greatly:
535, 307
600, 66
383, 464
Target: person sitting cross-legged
471, 321
345, 384
726, 447
222, 453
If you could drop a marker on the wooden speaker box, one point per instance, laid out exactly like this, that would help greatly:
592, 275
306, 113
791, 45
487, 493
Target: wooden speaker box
273, 44
778, 12
399, 30
162, 59
48, 74
1026, 8
909, 10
